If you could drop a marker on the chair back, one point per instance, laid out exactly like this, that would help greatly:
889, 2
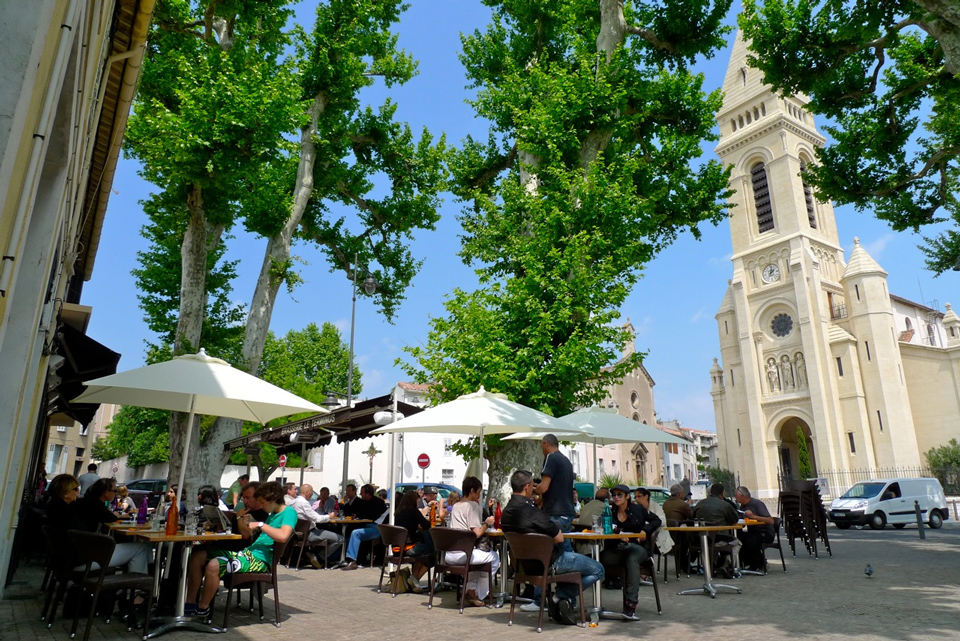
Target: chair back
393, 536
447, 539
531, 552
90, 548
302, 530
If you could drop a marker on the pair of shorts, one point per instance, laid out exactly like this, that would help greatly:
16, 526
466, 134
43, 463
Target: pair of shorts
237, 562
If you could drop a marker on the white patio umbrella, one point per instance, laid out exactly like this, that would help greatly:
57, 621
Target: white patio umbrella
197, 384
603, 426
477, 414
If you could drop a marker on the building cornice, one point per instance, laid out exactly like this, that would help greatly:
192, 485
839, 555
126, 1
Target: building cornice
779, 121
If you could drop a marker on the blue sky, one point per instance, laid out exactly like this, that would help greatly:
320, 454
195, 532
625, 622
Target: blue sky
672, 307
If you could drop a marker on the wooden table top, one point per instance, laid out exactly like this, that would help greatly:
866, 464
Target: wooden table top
347, 521
154, 536
705, 528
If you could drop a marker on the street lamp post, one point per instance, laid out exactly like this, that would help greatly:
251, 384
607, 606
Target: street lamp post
370, 285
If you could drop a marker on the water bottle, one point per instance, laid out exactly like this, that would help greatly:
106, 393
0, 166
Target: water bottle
173, 519
607, 517
142, 512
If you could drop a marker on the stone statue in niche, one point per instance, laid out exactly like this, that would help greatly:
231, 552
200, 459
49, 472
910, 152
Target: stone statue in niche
773, 375
801, 369
786, 373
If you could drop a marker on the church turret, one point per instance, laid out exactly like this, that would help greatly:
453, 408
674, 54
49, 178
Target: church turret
871, 320
951, 323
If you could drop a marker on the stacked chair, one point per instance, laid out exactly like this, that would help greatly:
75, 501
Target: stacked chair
803, 516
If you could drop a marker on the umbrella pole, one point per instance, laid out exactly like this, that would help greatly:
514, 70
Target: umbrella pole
182, 588
596, 469
391, 468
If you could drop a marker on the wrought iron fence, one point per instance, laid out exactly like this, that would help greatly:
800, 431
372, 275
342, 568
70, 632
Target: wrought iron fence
839, 481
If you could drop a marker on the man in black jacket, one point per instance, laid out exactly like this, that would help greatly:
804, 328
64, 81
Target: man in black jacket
367, 506
521, 515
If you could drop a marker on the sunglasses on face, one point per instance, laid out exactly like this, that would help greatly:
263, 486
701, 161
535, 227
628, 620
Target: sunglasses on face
618, 495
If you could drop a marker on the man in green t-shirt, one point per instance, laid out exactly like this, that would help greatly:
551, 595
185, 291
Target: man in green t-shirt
210, 566
233, 494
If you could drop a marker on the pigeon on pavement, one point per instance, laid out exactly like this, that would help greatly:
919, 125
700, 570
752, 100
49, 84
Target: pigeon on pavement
868, 570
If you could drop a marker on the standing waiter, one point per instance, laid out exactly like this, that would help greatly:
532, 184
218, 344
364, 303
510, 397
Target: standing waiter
556, 490
556, 486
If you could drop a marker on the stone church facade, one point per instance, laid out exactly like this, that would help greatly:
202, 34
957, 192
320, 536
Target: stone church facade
814, 346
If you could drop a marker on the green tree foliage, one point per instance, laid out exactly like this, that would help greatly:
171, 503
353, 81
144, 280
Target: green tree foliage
248, 125
944, 462
803, 454
721, 475
886, 74
307, 362
590, 168
138, 432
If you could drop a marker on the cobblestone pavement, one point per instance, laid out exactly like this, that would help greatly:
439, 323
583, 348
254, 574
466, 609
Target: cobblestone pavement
913, 594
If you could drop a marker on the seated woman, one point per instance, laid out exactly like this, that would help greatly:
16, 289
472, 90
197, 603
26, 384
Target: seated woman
415, 521
125, 502
629, 554
208, 495
661, 537
209, 566
65, 512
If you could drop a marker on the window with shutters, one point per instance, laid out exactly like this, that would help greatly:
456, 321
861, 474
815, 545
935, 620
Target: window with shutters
761, 198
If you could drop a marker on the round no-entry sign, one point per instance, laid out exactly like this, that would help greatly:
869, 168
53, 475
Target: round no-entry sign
283, 460
423, 461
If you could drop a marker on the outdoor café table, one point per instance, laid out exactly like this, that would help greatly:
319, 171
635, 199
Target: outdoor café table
595, 539
345, 526
502, 595
126, 527
159, 537
709, 587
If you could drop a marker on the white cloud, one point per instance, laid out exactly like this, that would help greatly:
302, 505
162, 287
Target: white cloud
698, 316
876, 248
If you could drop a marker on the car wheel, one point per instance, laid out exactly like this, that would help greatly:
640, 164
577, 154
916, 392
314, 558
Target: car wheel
843, 526
899, 526
936, 521
877, 521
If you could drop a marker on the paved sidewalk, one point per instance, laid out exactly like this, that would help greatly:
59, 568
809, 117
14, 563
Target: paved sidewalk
913, 594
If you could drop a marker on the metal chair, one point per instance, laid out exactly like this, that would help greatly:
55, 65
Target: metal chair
648, 565
530, 560
395, 540
774, 544
451, 540
60, 571
301, 542
263, 581
94, 551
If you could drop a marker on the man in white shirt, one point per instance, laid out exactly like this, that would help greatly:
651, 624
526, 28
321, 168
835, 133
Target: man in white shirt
290, 493
306, 512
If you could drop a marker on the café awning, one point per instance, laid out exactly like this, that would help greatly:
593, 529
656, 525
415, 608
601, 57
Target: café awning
344, 423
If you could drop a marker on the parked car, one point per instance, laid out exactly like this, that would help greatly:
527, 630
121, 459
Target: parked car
152, 489
657, 492
881, 501
443, 490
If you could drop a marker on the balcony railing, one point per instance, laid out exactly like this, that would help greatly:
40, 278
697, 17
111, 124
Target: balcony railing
838, 311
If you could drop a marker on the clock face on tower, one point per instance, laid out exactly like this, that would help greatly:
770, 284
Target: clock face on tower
771, 273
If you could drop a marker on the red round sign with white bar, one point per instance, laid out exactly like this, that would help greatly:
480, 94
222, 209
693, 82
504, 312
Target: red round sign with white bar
283, 460
423, 461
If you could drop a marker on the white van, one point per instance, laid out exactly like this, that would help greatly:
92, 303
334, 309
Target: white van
876, 503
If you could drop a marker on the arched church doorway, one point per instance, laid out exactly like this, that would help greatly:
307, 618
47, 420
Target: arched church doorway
791, 431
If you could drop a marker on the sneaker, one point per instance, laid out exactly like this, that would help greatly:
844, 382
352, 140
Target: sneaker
553, 607
412, 583
203, 613
533, 606
189, 609
630, 610
566, 612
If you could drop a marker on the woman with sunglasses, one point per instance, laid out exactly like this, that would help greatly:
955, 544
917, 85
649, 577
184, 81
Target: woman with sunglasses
629, 553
